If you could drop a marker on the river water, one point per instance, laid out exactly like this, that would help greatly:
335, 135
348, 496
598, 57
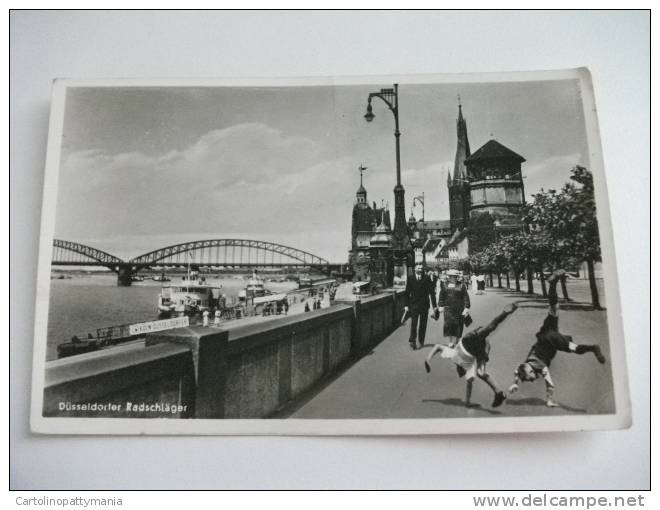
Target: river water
82, 304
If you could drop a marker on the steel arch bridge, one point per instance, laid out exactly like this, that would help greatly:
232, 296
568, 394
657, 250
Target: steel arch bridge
68, 253
230, 252
220, 253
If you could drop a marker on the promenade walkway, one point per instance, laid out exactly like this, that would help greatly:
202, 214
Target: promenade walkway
390, 382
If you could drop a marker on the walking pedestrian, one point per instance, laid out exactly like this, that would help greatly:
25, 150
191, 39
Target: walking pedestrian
218, 316
205, 318
454, 301
420, 294
481, 284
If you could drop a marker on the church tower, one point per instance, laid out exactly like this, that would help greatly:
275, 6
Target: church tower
458, 185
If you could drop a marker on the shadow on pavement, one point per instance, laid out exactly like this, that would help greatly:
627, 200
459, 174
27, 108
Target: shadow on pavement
542, 302
534, 401
578, 306
457, 402
565, 307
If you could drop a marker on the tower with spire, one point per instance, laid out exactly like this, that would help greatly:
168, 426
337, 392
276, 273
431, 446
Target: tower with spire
458, 185
366, 222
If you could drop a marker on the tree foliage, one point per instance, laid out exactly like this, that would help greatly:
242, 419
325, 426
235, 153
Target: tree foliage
560, 230
567, 220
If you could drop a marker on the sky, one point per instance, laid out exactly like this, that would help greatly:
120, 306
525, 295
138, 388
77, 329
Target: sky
143, 168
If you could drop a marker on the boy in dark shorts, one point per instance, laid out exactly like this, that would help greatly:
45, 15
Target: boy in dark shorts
471, 354
548, 341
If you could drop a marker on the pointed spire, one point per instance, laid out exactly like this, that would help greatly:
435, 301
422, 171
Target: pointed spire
382, 227
361, 169
361, 192
462, 145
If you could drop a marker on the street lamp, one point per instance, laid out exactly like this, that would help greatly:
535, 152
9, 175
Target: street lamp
420, 199
401, 241
391, 98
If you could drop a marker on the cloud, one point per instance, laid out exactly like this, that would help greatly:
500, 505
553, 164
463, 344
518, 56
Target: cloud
432, 180
248, 181
248, 178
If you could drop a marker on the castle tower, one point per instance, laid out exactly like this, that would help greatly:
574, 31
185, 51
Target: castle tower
458, 185
496, 184
366, 220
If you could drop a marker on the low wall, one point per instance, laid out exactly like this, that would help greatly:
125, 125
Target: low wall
244, 372
115, 382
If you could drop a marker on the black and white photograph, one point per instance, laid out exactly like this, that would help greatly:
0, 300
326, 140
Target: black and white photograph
368, 255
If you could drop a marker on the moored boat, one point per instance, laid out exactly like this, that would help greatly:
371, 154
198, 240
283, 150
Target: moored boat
193, 295
254, 288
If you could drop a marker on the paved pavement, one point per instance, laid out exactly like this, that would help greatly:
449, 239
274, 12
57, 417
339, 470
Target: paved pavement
390, 382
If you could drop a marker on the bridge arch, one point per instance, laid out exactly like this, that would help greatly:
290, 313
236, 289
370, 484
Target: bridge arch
229, 252
72, 254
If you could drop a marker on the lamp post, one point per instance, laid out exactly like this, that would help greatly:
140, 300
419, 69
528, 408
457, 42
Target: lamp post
420, 199
401, 246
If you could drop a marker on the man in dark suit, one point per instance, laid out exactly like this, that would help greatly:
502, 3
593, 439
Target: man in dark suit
420, 293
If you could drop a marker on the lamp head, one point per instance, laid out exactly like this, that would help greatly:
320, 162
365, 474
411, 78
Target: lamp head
369, 116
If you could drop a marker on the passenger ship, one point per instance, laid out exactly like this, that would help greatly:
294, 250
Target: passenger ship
190, 297
255, 288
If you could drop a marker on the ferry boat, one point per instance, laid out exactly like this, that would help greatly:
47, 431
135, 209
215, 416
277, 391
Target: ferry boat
190, 297
255, 288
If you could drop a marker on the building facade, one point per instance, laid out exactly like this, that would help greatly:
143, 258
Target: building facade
486, 195
367, 222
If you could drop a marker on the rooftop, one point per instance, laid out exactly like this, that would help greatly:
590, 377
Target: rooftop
493, 149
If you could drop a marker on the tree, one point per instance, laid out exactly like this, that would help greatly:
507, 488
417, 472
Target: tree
495, 260
481, 232
511, 248
569, 224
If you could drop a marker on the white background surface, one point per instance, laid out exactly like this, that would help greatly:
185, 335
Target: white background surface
614, 45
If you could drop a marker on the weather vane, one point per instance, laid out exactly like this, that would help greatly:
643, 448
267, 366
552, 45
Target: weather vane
361, 169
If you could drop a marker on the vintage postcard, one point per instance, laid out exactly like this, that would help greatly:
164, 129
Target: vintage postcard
365, 255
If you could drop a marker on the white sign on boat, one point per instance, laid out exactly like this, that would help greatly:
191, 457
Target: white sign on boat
149, 327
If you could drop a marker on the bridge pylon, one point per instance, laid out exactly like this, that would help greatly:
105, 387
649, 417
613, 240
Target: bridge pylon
124, 276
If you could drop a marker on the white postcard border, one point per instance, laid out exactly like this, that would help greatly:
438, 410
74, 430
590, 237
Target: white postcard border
427, 426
